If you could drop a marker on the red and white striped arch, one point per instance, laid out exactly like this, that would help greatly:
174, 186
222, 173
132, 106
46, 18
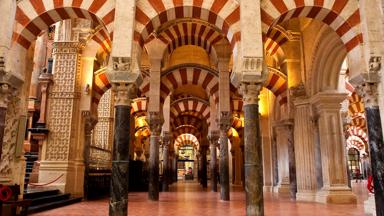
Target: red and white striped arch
359, 120
355, 104
186, 120
139, 105
103, 38
273, 41
341, 15
187, 139
237, 105
191, 106
34, 16
151, 14
357, 131
190, 33
193, 75
186, 129
276, 82
356, 142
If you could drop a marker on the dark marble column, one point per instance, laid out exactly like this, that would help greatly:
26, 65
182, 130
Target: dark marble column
253, 151
291, 161
275, 164
225, 124
204, 177
166, 143
89, 124
155, 124
213, 138
118, 204
369, 92
120, 162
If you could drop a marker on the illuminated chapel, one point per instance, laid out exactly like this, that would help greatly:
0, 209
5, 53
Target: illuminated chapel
191, 107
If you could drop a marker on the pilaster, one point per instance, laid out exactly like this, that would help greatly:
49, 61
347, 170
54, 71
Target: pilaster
335, 180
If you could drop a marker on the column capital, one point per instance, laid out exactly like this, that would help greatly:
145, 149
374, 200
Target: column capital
324, 101
224, 121
155, 122
369, 92
122, 70
250, 92
214, 137
166, 138
9, 85
124, 93
89, 122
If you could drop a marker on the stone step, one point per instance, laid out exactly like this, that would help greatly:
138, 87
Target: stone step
38, 194
52, 205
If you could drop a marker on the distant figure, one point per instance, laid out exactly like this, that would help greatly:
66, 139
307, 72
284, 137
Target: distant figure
357, 174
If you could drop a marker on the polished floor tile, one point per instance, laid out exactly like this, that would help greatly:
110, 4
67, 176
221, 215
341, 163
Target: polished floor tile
188, 198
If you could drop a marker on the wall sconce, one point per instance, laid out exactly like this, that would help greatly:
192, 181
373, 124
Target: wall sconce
87, 89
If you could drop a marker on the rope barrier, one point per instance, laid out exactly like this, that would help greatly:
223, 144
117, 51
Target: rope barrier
45, 184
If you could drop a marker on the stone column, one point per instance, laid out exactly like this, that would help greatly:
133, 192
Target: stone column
118, 204
155, 124
282, 157
253, 150
224, 125
369, 91
335, 180
204, 179
4, 98
166, 156
213, 138
89, 125
305, 148
292, 160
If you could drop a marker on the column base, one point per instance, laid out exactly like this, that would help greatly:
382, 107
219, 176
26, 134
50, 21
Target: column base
306, 196
268, 188
369, 206
71, 172
282, 189
336, 195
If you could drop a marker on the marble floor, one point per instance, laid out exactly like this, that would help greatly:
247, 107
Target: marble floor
188, 198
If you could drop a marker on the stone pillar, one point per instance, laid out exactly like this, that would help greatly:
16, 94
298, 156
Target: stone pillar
253, 150
59, 155
118, 204
155, 124
335, 180
305, 148
89, 125
224, 125
4, 93
204, 178
8, 9
292, 160
213, 138
166, 156
282, 157
369, 91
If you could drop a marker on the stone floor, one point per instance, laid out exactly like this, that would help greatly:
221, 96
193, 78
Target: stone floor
188, 198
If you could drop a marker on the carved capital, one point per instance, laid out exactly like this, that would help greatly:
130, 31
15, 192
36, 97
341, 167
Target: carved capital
369, 92
214, 137
374, 64
121, 64
166, 138
298, 91
9, 85
250, 92
89, 122
124, 93
225, 121
155, 122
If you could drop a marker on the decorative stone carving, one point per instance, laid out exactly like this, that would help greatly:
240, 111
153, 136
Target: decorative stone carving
298, 91
369, 92
121, 63
124, 93
374, 64
252, 64
250, 92
155, 123
224, 121
214, 137
64, 100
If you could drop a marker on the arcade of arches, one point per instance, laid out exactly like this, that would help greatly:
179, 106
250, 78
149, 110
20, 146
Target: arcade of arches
102, 97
